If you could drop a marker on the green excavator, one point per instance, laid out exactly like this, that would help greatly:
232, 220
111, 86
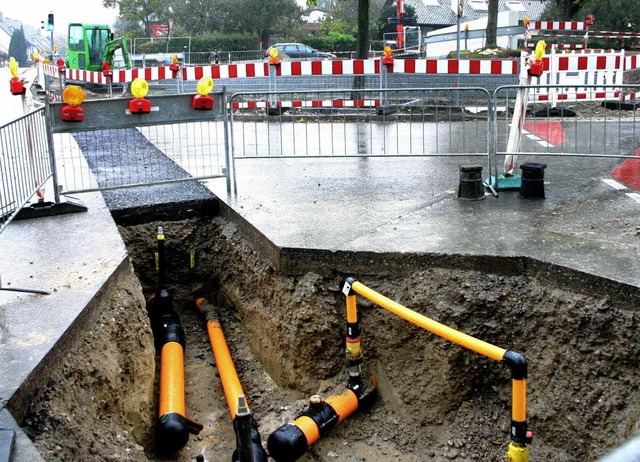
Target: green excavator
90, 45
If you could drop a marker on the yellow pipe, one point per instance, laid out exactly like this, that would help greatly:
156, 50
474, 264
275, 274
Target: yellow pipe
228, 375
467, 341
172, 379
519, 400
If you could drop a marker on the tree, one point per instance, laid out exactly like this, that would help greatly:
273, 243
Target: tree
18, 46
146, 12
617, 15
492, 24
567, 9
362, 50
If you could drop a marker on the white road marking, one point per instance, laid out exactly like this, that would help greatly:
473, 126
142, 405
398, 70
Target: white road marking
614, 184
634, 196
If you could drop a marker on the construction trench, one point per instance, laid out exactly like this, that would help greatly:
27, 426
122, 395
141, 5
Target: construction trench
286, 334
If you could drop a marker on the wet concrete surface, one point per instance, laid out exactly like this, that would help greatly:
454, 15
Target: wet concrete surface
412, 206
390, 206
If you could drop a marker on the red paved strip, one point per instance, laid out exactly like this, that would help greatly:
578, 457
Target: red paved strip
548, 131
628, 172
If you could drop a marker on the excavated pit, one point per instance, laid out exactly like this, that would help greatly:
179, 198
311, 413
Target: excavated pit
436, 401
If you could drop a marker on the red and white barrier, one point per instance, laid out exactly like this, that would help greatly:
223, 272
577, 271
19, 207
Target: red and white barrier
305, 104
559, 25
593, 67
299, 68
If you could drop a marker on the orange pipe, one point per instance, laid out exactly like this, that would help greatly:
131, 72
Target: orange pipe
344, 404
519, 400
172, 379
467, 341
309, 428
352, 311
228, 375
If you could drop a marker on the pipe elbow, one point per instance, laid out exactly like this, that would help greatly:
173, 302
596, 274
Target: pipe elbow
171, 433
517, 363
287, 444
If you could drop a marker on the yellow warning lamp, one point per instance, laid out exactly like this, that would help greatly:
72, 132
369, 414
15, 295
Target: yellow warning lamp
72, 112
174, 66
139, 89
36, 56
13, 67
274, 59
387, 58
15, 84
526, 21
539, 51
202, 101
537, 66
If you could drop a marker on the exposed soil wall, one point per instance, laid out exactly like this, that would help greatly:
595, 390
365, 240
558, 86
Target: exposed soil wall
436, 400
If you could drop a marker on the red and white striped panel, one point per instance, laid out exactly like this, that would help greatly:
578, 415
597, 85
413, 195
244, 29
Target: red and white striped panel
306, 104
576, 96
630, 97
226, 71
586, 62
86, 76
615, 35
50, 70
337, 67
561, 46
631, 62
147, 73
557, 25
453, 66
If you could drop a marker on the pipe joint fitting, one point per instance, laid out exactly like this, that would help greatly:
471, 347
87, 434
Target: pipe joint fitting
347, 289
517, 363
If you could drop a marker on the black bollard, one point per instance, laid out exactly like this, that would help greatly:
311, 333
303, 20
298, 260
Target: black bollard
471, 187
532, 186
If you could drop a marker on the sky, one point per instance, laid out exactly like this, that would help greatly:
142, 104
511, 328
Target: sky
31, 12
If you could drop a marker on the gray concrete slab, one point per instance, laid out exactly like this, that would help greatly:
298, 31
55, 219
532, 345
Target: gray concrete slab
71, 257
410, 205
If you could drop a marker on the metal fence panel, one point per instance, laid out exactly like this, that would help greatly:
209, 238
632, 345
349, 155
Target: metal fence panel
589, 127
24, 163
363, 123
112, 148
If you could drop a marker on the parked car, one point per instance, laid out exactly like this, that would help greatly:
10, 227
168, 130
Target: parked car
298, 51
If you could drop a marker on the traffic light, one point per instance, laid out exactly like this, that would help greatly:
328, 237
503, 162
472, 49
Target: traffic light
50, 22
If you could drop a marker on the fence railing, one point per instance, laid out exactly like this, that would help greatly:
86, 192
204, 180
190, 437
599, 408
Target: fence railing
361, 123
113, 148
24, 163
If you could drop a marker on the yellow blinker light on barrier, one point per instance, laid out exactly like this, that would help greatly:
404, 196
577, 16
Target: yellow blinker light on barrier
274, 59
537, 66
139, 89
539, 51
387, 58
205, 85
202, 101
13, 66
174, 66
74, 97
15, 84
